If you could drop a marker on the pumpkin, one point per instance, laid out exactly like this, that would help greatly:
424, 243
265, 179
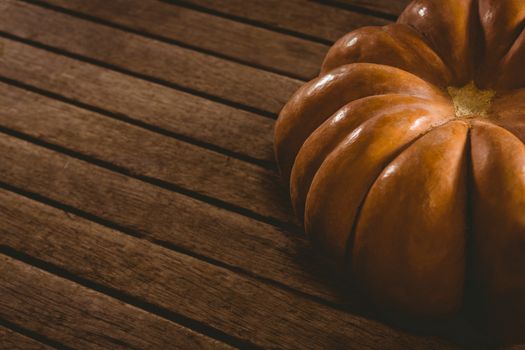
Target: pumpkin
406, 161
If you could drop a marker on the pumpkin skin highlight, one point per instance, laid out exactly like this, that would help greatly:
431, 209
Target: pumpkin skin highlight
406, 161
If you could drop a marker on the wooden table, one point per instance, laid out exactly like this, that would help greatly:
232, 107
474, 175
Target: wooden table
139, 203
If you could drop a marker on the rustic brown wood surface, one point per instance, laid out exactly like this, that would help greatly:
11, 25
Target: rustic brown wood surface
174, 65
317, 21
139, 202
247, 44
79, 317
387, 7
145, 153
11, 340
160, 108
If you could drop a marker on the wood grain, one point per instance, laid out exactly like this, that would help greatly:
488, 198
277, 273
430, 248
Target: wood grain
203, 292
242, 42
173, 111
391, 7
167, 217
310, 18
10, 340
216, 78
81, 318
145, 153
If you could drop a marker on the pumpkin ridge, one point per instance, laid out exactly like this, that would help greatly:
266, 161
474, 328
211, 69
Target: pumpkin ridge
351, 236
499, 231
453, 59
286, 149
476, 40
494, 63
381, 112
403, 48
459, 181
331, 232
520, 29
470, 293
507, 128
502, 62
431, 226
427, 44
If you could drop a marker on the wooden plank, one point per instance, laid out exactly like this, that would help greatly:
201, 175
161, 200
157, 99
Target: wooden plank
244, 43
243, 307
145, 153
78, 317
185, 165
218, 78
390, 7
167, 217
11, 340
310, 18
194, 118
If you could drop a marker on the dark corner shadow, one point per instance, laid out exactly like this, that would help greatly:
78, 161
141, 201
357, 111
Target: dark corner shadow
459, 331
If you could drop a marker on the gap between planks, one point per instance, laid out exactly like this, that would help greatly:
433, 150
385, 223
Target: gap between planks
152, 79
214, 176
215, 79
342, 304
242, 200
125, 262
266, 164
258, 249
252, 254
242, 44
289, 227
247, 95
69, 313
13, 337
311, 20
264, 104
27, 100
248, 20
386, 9
142, 103
77, 155
266, 209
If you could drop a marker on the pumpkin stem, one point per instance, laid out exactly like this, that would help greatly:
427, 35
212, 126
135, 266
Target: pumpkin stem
471, 102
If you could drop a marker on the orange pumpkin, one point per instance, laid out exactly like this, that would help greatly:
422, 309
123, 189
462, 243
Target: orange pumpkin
406, 161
